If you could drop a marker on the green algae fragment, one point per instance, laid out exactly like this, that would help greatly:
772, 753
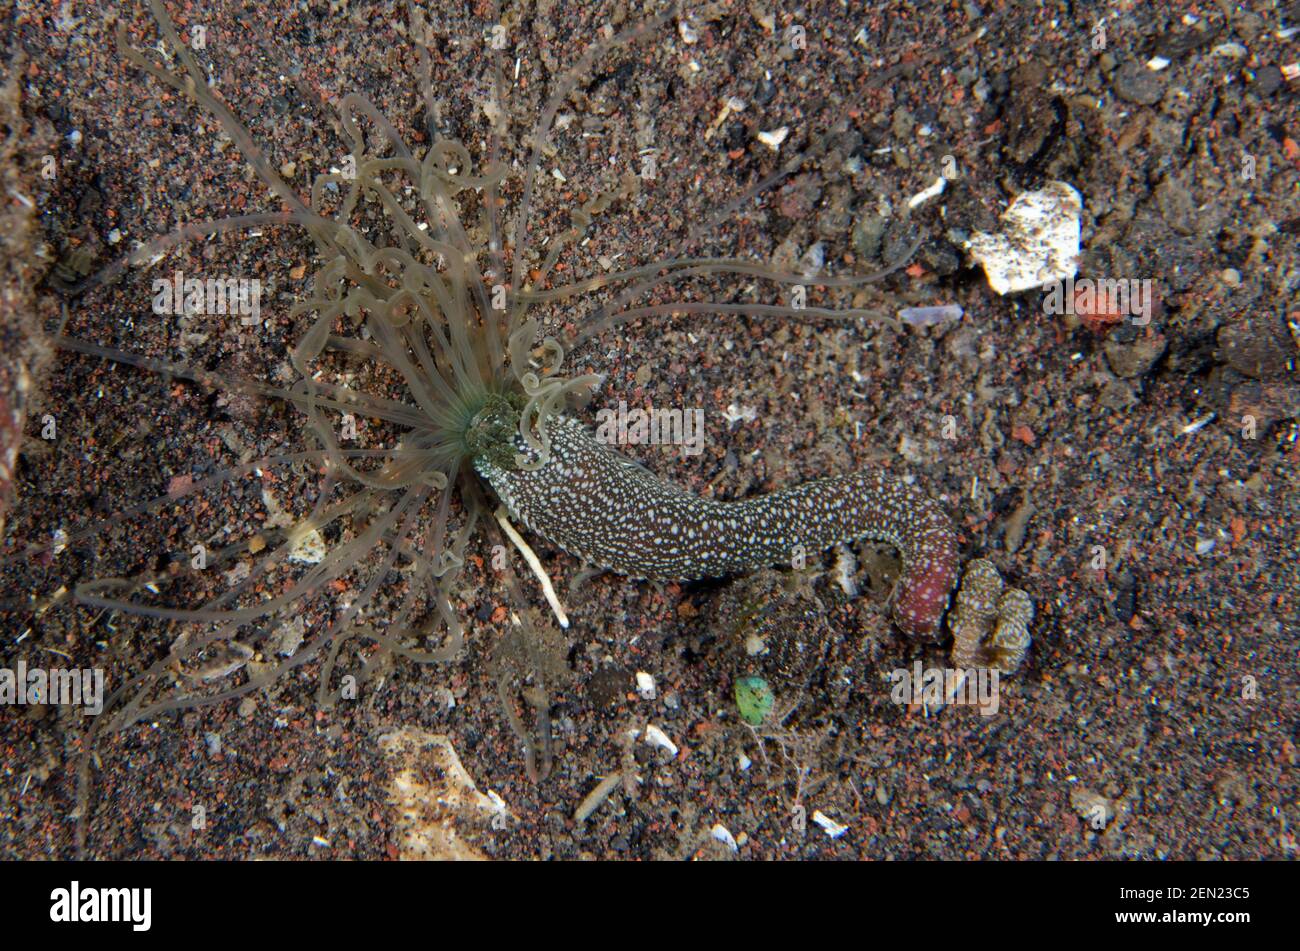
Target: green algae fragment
754, 699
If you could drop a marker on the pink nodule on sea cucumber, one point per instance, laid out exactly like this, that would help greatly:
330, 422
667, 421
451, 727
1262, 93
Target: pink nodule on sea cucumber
924, 589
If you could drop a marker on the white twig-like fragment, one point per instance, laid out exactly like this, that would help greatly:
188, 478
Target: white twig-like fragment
536, 565
829, 825
845, 567
596, 798
934, 191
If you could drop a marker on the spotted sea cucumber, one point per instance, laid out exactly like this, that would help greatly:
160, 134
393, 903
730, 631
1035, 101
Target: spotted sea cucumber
615, 514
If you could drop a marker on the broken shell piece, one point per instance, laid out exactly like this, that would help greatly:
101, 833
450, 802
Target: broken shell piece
645, 685
723, 835
433, 798
230, 657
307, 548
1038, 244
739, 414
774, 138
829, 825
659, 739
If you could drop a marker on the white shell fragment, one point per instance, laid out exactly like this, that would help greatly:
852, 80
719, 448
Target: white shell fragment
1038, 244
434, 799
829, 825
723, 835
233, 656
645, 685
774, 138
739, 414
308, 548
659, 739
